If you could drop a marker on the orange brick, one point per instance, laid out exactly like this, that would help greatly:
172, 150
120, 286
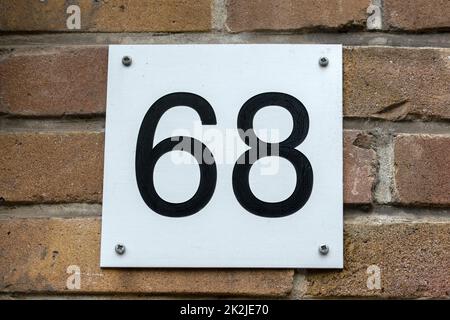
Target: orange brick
51, 167
413, 261
107, 16
37, 252
53, 81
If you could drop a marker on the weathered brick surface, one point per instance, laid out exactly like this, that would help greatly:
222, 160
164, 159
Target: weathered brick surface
417, 15
68, 167
413, 258
107, 16
359, 167
53, 81
379, 82
412, 251
51, 167
36, 253
396, 83
252, 15
422, 169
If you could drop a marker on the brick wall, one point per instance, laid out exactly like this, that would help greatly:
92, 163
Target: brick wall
396, 142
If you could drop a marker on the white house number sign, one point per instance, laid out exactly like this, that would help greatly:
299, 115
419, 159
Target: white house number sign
223, 156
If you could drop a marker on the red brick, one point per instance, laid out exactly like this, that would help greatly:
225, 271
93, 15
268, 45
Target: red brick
53, 81
252, 15
396, 83
417, 15
107, 16
422, 170
37, 252
359, 167
51, 167
413, 260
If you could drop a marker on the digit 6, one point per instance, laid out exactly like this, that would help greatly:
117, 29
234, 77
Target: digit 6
147, 156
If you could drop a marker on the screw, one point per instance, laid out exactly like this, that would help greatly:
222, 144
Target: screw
126, 61
324, 249
120, 249
323, 61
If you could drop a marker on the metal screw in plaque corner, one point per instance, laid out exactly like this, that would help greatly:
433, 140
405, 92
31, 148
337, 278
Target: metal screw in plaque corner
120, 249
127, 61
323, 61
324, 249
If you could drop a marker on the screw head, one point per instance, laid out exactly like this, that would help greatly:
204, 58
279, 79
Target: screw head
127, 61
120, 249
324, 249
323, 61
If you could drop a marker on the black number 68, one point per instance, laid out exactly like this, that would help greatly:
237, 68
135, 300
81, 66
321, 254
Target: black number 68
147, 155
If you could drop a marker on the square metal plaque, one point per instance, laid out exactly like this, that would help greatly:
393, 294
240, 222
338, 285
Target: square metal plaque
223, 156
